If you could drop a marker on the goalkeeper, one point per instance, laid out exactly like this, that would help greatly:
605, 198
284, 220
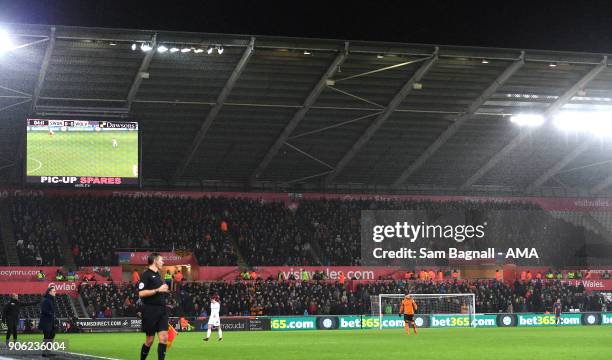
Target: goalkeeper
407, 309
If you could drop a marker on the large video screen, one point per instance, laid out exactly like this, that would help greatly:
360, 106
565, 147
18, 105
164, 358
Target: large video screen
82, 153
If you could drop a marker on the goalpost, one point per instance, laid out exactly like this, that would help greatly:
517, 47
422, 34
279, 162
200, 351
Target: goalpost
444, 304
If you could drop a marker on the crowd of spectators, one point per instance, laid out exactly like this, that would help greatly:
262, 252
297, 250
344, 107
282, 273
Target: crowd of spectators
305, 232
97, 226
494, 296
36, 235
115, 300
272, 297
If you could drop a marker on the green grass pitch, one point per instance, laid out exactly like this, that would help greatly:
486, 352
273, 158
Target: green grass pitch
82, 154
500, 343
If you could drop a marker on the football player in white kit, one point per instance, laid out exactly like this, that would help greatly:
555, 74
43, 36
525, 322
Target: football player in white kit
214, 320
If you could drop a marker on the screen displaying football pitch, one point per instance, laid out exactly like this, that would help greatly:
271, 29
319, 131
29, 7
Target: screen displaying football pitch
82, 153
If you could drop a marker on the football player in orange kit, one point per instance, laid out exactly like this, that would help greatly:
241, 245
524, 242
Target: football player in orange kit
407, 309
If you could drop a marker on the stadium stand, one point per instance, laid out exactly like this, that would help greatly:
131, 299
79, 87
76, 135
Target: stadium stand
3, 255
268, 297
314, 232
113, 300
37, 238
64, 307
98, 226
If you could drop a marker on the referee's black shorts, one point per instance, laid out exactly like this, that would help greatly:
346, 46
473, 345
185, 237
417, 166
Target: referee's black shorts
154, 319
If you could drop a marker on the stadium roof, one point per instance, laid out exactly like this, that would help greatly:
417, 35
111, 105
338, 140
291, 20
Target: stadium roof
295, 114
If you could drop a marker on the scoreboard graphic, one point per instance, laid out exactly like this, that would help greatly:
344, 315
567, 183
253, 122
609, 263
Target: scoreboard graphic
82, 153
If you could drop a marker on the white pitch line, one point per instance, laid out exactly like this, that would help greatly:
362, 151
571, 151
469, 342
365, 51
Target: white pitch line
69, 353
38, 168
91, 356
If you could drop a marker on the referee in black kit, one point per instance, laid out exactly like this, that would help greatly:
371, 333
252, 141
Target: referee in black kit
152, 291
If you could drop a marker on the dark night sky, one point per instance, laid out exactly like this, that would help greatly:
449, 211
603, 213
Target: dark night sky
536, 24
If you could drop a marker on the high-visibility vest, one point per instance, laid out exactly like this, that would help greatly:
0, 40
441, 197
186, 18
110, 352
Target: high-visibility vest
168, 277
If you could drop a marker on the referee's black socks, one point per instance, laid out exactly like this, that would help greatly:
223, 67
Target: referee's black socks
161, 351
144, 351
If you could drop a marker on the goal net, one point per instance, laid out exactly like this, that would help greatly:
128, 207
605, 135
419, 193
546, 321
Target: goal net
443, 304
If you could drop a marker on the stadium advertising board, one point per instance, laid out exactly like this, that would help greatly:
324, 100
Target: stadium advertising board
109, 324
82, 153
479, 320
373, 322
590, 285
237, 324
567, 319
606, 318
332, 272
259, 324
25, 325
355, 322
28, 273
39, 287
230, 273
293, 323
140, 258
421, 320
506, 320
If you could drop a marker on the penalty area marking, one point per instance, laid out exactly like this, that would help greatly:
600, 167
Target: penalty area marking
38, 168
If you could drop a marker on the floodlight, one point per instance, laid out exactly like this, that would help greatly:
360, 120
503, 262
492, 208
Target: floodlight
530, 120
